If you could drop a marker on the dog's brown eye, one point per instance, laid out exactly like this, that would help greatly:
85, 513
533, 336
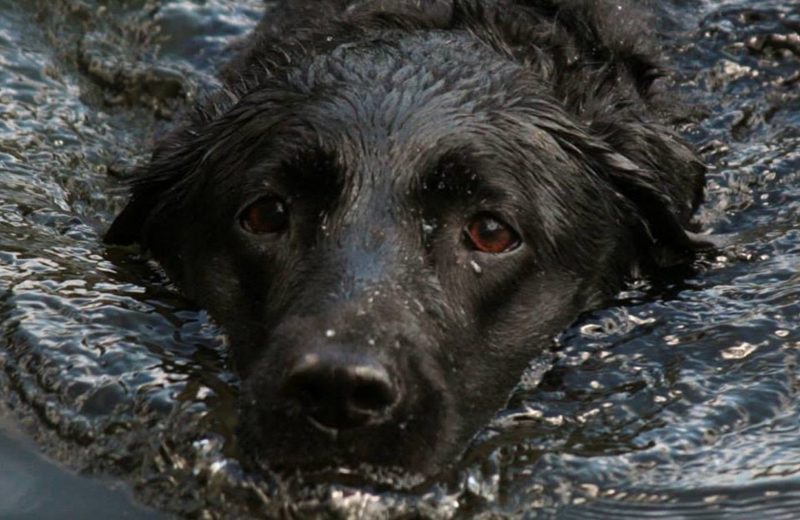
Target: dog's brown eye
490, 235
266, 215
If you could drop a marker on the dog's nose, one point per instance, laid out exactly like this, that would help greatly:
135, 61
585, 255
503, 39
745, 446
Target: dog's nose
341, 391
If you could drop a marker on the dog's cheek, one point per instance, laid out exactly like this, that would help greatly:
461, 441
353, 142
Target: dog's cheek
245, 291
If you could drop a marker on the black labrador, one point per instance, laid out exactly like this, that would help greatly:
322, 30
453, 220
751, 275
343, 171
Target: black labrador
392, 206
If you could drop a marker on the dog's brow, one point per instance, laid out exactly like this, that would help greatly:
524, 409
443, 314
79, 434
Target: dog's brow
312, 170
460, 164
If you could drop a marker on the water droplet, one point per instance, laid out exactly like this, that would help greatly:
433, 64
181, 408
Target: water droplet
557, 420
636, 320
740, 351
218, 466
585, 417
476, 267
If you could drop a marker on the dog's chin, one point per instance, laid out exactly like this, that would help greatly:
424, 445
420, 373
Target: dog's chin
397, 456
361, 475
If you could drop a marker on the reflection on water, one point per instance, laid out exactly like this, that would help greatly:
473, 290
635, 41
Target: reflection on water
31, 488
681, 396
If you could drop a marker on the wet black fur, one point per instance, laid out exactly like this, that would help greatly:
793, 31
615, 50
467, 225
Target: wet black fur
387, 125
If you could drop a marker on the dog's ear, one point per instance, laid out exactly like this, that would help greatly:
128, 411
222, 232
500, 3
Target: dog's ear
663, 205
158, 193
128, 227
159, 184
662, 178
175, 158
156, 188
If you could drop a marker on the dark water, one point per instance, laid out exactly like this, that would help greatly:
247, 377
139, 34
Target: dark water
678, 400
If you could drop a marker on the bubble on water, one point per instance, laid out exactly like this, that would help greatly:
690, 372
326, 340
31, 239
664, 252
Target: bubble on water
590, 489
532, 413
204, 392
740, 351
586, 416
636, 320
592, 329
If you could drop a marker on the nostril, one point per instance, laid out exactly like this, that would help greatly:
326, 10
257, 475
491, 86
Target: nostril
341, 391
373, 395
307, 389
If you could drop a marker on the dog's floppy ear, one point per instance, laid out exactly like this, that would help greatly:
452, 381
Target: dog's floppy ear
175, 158
160, 183
158, 189
664, 199
129, 226
660, 176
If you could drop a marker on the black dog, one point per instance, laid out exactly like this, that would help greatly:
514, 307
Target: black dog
392, 206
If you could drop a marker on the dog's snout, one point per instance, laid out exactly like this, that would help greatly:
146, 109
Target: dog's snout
341, 390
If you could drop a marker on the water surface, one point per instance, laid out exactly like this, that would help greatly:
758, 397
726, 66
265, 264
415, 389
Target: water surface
678, 399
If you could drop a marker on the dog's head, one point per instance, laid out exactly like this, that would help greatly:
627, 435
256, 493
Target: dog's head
392, 216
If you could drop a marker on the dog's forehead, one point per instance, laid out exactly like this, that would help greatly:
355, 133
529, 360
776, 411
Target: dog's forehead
399, 81
397, 100
448, 55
